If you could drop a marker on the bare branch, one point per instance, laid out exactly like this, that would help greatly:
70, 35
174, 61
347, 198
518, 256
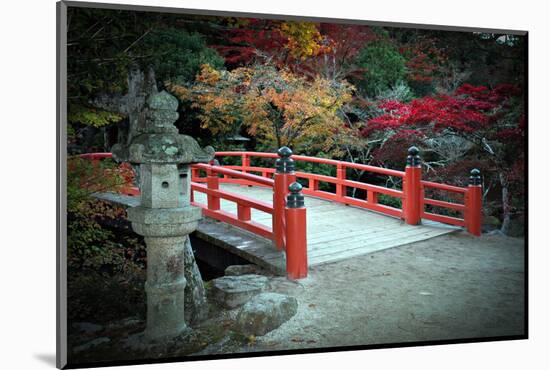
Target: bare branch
137, 40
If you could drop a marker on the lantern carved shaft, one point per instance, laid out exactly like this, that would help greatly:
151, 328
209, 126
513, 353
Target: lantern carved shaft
164, 217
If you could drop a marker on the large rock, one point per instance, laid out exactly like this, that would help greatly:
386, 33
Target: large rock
265, 312
234, 291
196, 308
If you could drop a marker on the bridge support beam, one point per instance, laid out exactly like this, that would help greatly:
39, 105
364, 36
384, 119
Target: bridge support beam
474, 203
412, 202
296, 233
283, 177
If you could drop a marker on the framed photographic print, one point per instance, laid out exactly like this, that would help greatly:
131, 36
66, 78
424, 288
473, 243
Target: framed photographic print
243, 184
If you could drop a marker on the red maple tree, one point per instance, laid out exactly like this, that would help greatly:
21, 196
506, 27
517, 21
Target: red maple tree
490, 123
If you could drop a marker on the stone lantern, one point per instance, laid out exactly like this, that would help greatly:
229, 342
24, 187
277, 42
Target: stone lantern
164, 217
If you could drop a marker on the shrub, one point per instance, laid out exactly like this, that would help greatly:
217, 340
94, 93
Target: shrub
89, 243
178, 54
383, 67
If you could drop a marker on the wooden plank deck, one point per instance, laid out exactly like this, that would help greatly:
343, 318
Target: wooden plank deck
334, 231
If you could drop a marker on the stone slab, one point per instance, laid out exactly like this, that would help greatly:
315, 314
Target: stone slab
234, 291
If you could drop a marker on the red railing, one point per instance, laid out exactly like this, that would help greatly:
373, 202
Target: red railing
412, 195
340, 181
288, 227
413, 198
210, 187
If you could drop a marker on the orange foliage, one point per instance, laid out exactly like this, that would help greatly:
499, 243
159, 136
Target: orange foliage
276, 106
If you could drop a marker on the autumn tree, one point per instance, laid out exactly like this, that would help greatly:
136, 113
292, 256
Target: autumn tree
275, 106
475, 124
336, 58
426, 63
281, 43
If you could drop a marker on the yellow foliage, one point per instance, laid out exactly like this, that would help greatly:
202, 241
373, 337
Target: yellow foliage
208, 75
277, 107
304, 40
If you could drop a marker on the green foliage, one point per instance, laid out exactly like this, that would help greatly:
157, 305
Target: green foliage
383, 67
180, 54
92, 116
90, 245
389, 201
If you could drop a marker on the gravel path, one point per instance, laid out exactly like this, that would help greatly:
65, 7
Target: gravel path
450, 287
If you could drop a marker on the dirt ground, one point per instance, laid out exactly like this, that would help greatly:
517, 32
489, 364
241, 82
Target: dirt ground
449, 287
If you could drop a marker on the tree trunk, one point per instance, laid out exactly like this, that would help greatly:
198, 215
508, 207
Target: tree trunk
106, 139
505, 203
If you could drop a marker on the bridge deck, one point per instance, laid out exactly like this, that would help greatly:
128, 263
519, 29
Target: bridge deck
334, 231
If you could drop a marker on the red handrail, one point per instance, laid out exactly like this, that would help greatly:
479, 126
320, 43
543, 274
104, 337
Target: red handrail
229, 172
435, 185
96, 155
412, 196
339, 181
213, 209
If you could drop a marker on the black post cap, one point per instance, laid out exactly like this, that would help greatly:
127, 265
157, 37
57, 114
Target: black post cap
413, 159
475, 177
295, 199
284, 151
284, 164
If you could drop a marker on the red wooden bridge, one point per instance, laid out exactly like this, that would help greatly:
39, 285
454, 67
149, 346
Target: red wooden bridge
254, 209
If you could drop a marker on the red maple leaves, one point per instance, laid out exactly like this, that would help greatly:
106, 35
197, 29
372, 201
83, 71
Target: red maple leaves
468, 109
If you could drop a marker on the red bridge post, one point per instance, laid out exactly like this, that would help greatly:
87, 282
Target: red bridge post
245, 162
283, 177
474, 203
296, 233
213, 183
412, 202
341, 176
